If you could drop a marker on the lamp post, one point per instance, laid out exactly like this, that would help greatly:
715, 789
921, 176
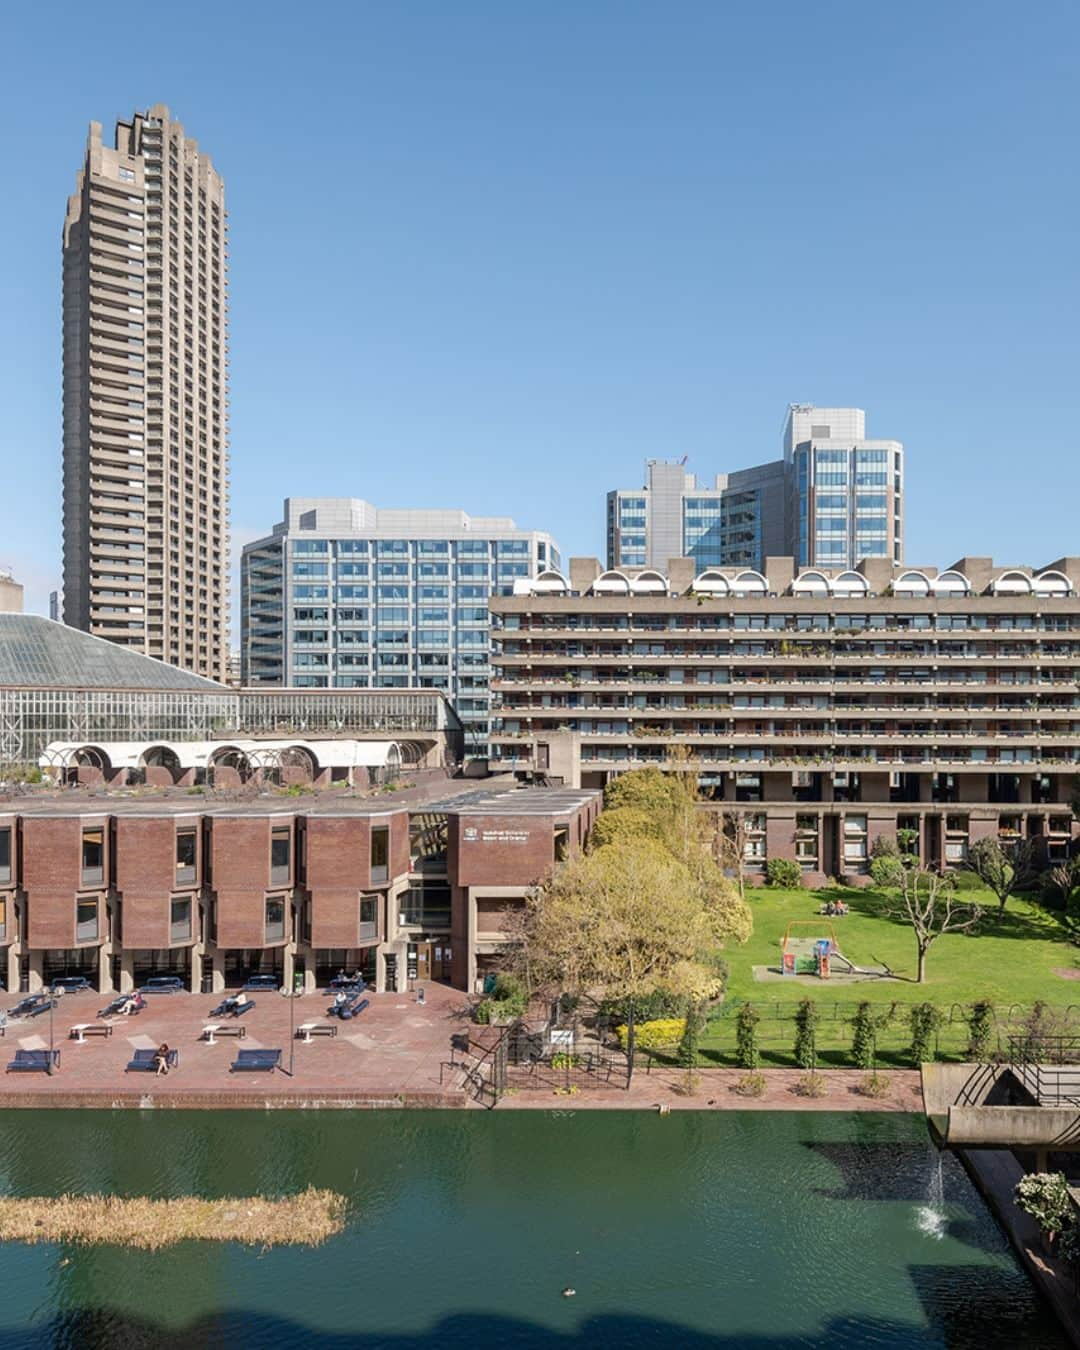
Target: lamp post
292, 1023
52, 1005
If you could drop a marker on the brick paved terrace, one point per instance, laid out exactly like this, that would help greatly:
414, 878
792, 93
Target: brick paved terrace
393, 1054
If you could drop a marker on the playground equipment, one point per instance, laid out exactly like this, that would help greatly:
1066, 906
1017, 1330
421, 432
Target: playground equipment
820, 955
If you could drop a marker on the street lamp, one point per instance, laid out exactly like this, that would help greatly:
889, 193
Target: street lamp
52, 1005
292, 1023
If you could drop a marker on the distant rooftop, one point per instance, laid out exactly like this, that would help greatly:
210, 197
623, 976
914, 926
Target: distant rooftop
39, 653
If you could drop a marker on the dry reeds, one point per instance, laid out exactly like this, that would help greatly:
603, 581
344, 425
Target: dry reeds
305, 1220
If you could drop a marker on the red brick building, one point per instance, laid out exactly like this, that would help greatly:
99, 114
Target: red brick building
119, 889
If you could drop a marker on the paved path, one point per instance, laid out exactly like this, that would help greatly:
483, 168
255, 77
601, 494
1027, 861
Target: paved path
395, 1053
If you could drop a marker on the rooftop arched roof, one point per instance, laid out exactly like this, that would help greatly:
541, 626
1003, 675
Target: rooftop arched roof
1052, 582
951, 582
850, 583
912, 582
811, 582
749, 580
612, 581
713, 582
1011, 582
649, 580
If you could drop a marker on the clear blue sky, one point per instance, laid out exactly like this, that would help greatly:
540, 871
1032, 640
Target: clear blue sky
494, 255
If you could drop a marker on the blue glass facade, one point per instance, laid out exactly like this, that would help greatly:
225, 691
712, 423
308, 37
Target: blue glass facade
359, 613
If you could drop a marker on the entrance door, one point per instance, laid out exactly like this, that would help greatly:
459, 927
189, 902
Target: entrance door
440, 961
423, 960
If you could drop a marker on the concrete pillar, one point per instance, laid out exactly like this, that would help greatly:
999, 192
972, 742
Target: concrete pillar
195, 983
217, 963
13, 968
104, 972
37, 971
127, 972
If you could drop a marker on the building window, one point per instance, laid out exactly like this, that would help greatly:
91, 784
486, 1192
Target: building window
275, 919
380, 855
5, 854
86, 920
180, 920
93, 857
280, 855
369, 918
186, 843
3, 917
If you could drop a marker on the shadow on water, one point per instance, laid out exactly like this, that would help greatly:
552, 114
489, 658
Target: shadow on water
985, 1323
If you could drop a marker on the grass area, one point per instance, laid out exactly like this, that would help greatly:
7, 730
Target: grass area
1011, 961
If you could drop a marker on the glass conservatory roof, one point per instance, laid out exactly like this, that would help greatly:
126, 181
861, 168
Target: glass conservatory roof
38, 653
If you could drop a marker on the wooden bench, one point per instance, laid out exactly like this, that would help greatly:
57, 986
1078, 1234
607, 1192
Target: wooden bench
306, 1030
34, 1061
79, 1032
215, 1029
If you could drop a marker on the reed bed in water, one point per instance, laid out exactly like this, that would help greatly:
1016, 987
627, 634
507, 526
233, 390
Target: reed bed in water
302, 1220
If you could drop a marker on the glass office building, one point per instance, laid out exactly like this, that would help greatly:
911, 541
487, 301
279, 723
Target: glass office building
347, 595
834, 498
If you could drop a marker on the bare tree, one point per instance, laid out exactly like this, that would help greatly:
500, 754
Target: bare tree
1004, 868
729, 848
927, 902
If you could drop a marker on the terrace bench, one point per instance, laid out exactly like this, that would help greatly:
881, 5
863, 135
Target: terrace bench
34, 1061
144, 1061
306, 1030
230, 1008
255, 1061
79, 1032
211, 1032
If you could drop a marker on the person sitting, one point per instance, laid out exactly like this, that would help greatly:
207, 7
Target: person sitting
830, 909
161, 1058
239, 1001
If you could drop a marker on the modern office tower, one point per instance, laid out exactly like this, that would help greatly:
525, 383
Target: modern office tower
348, 595
847, 492
822, 706
146, 395
800, 505
737, 522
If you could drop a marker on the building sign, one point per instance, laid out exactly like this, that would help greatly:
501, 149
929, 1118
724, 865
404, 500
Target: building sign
474, 836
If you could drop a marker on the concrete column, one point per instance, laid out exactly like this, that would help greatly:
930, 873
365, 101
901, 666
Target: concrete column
13, 968
195, 983
127, 973
37, 971
104, 974
217, 963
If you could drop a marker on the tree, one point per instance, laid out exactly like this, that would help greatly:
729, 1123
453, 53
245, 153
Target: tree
863, 1037
925, 1021
806, 1020
623, 921
747, 1055
1003, 868
927, 902
980, 1031
730, 849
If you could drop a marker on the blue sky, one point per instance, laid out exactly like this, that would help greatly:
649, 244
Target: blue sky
494, 255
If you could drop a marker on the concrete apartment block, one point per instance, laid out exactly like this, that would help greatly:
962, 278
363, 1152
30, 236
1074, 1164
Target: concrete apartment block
822, 707
145, 399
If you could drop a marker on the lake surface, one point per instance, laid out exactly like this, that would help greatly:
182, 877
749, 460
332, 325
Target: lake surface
725, 1229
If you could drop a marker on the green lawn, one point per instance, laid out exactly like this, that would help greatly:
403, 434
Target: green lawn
1010, 961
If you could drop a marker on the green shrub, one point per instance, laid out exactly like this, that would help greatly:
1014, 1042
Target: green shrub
783, 873
806, 1020
966, 881
647, 1008
507, 1001
694, 1025
812, 1084
1045, 1196
747, 1054
980, 1030
864, 1037
750, 1085
925, 1019
874, 1085
663, 1034
887, 871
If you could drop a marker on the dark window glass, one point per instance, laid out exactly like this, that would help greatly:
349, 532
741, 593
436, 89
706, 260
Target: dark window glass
186, 844
180, 920
93, 857
280, 845
5, 854
86, 921
380, 854
275, 919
